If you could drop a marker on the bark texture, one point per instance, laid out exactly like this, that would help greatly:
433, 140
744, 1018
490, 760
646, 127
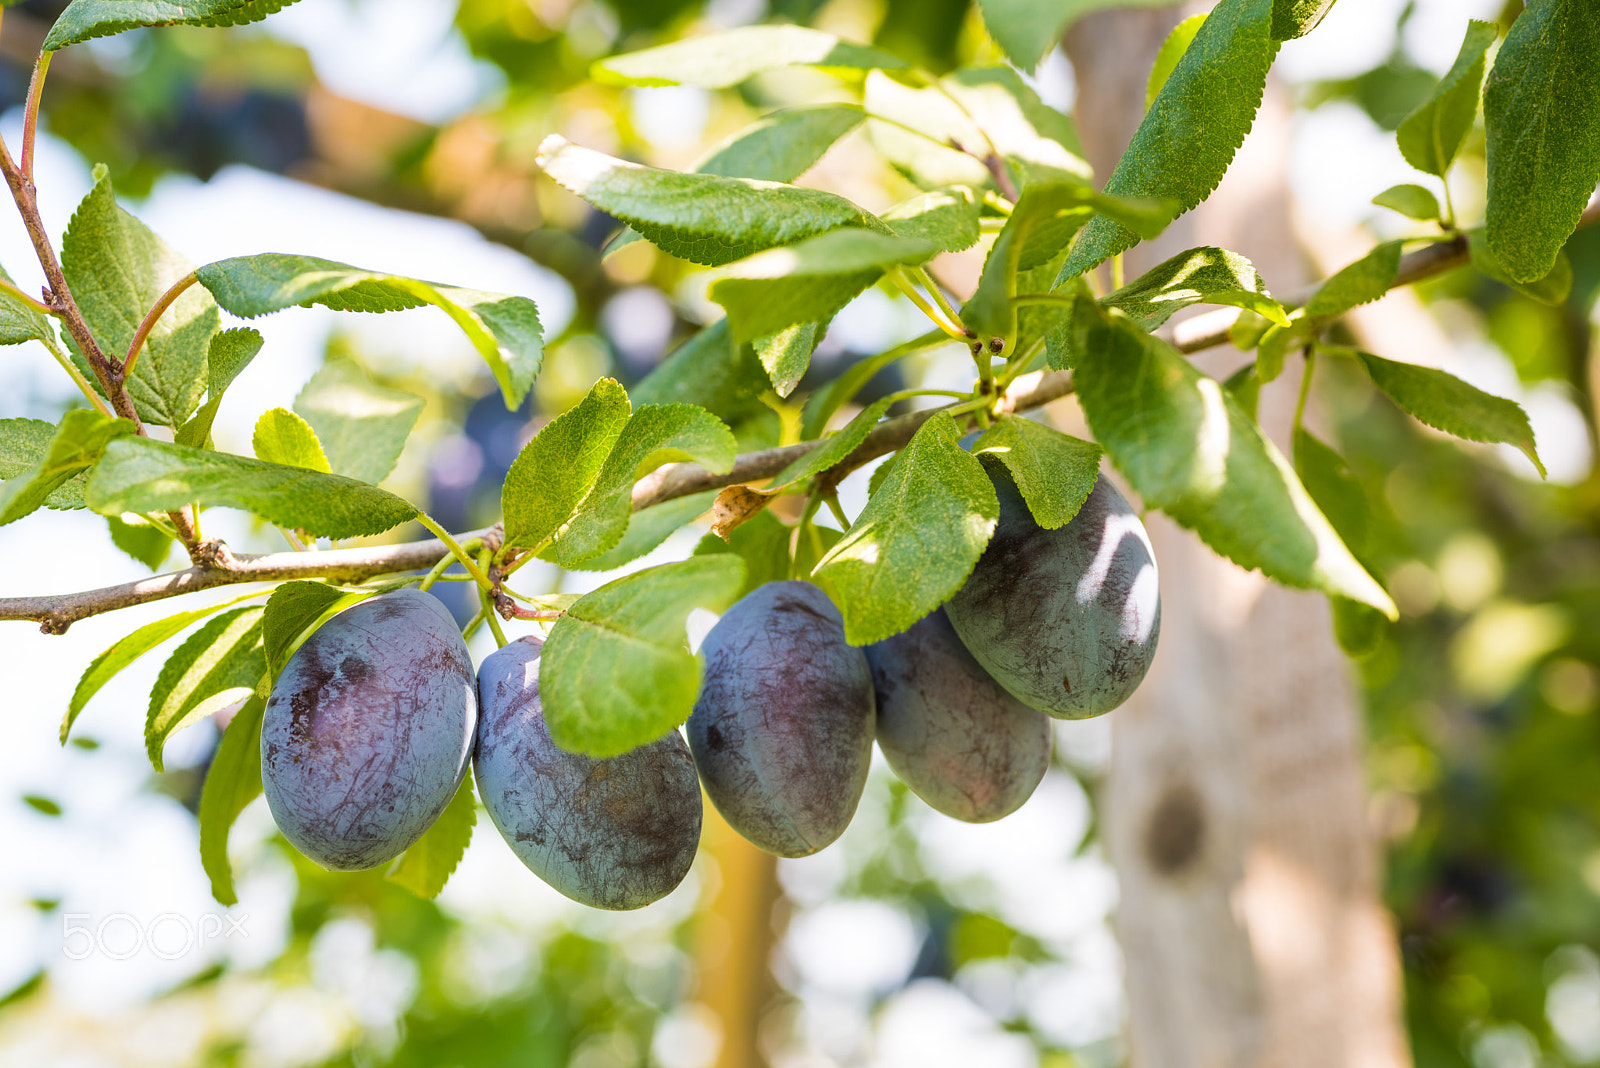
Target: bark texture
1235, 811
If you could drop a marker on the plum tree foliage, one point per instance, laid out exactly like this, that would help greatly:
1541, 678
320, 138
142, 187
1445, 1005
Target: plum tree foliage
989, 581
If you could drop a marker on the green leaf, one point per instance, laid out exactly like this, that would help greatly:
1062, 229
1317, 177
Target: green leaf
231, 352
719, 60
141, 475
428, 863
1188, 449
282, 437
1027, 29
85, 19
918, 538
1053, 471
708, 370
946, 218
787, 353
549, 478
703, 218
782, 146
638, 620
23, 444
1360, 283
214, 667
823, 404
103, 668
656, 434
939, 135
76, 445
810, 281
232, 782
834, 448
1172, 50
1036, 140
1198, 121
505, 330
1553, 289
1244, 386
1446, 403
648, 528
1542, 111
1412, 201
1336, 490
117, 269
762, 542
362, 427
1043, 221
42, 805
21, 322
1342, 499
1205, 275
779, 148
291, 612
1296, 18
147, 544
1431, 136
1358, 629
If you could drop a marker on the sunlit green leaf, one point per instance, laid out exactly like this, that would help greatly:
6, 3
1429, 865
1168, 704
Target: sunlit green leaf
505, 330
1053, 471
428, 863
141, 475
232, 781
918, 538
638, 620
117, 269
719, 60
218, 664
1189, 450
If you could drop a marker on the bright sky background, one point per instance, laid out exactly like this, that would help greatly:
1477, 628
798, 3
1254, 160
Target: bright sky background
119, 849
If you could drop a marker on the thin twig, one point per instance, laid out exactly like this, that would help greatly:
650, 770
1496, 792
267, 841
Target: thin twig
30, 116
107, 370
151, 318
11, 290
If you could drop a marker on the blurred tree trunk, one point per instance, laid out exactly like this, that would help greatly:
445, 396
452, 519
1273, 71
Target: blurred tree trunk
735, 940
1234, 809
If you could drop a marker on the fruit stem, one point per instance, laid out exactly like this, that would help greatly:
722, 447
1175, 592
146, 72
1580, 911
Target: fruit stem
444, 565
807, 528
455, 550
1305, 386
906, 286
921, 276
491, 617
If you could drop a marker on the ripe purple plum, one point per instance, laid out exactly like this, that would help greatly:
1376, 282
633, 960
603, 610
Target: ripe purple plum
612, 834
368, 730
782, 730
949, 730
1067, 620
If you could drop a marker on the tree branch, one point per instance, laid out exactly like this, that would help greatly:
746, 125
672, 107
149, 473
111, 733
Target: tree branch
56, 613
110, 372
1211, 329
217, 567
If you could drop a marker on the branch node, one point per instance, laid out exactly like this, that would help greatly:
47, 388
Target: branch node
214, 555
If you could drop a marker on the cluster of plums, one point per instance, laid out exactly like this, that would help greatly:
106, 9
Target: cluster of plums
370, 727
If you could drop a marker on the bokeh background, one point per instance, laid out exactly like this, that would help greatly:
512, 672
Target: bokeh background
399, 135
